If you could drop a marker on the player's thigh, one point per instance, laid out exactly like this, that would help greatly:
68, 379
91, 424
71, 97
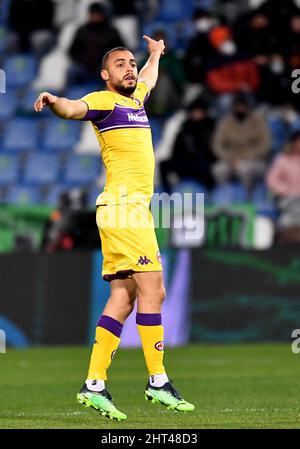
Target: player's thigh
122, 298
149, 283
124, 290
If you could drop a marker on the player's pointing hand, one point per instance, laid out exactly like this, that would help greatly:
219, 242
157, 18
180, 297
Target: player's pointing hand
155, 46
44, 99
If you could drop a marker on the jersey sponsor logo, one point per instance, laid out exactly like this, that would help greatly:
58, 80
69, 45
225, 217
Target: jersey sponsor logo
144, 260
159, 345
136, 118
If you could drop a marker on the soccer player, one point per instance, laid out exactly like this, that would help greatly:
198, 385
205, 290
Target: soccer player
131, 258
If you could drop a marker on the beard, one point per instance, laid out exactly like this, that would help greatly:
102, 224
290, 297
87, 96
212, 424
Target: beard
125, 90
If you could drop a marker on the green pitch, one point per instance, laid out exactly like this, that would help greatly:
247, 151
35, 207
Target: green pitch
240, 386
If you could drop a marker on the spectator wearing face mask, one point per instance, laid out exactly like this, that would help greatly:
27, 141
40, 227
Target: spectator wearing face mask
274, 86
241, 142
229, 71
259, 34
199, 49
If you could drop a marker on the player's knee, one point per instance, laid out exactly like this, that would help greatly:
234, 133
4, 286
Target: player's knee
159, 295
162, 294
127, 308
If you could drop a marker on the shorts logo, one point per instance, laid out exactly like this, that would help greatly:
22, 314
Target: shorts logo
144, 260
159, 345
113, 354
158, 256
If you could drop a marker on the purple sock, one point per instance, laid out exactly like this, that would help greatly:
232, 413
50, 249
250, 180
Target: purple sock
110, 324
148, 319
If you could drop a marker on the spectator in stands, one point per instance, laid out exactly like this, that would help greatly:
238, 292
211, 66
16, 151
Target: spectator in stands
191, 156
229, 71
200, 49
32, 22
259, 34
170, 85
255, 34
283, 179
125, 16
274, 86
291, 41
241, 142
91, 41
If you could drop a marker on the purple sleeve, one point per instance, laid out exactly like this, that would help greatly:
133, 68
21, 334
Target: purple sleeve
94, 115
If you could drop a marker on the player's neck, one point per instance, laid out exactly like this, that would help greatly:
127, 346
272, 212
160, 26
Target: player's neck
112, 89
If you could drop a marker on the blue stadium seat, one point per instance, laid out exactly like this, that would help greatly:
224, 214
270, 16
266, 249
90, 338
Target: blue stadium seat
177, 36
20, 70
92, 195
278, 131
8, 105
175, 10
52, 196
189, 186
263, 201
4, 9
25, 105
9, 170
2, 37
81, 170
295, 126
168, 28
77, 91
229, 193
156, 130
41, 169
23, 196
60, 135
21, 134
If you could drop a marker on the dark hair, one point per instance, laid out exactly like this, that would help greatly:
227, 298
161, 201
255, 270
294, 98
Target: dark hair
106, 56
197, 103
97, 8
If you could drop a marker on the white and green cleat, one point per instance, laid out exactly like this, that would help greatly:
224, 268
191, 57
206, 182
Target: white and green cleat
100, 401
168, 396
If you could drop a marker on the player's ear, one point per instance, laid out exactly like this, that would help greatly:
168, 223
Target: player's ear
104, 75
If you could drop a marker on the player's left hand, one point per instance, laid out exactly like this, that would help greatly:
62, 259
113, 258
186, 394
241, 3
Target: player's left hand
155, 46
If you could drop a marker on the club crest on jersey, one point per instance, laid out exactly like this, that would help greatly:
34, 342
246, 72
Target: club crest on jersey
143, 260
159, 345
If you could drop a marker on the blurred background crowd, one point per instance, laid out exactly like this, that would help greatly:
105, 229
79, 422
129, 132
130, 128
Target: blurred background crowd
225, 118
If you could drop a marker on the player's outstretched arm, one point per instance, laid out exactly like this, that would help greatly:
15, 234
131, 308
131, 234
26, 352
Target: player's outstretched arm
62, 107
149, 73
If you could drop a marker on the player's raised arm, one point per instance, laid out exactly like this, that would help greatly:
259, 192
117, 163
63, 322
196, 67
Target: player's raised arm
149, 73
62, 107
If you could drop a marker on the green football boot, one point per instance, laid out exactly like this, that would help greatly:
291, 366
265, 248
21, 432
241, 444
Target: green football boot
168, 396
100, 401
